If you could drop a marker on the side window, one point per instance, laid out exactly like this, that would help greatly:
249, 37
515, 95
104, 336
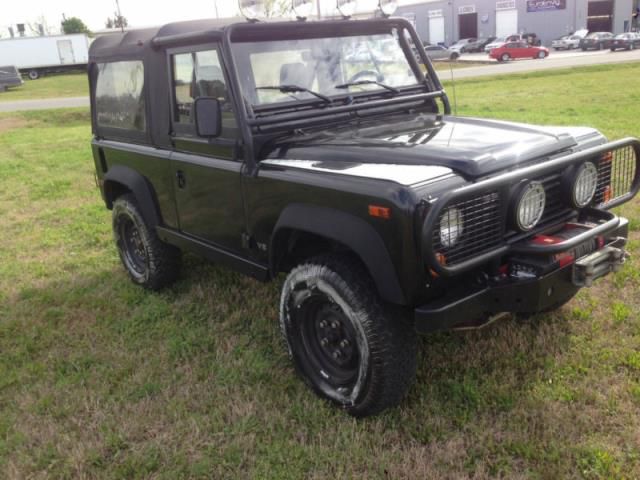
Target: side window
199, 74
119, 95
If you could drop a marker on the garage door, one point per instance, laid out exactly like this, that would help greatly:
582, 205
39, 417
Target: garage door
506, 22
436, 30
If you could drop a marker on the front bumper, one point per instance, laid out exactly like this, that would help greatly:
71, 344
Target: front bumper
525, 293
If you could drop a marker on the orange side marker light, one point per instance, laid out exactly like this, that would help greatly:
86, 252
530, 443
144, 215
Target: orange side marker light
380, 212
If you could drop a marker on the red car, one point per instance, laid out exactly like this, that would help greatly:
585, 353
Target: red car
514, 50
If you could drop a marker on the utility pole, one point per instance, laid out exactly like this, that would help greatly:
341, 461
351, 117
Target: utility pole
120, 16
215, 5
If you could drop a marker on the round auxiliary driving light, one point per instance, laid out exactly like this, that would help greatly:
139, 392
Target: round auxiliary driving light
302, 8
451, 227
388, 7
585, 185
530, 206
346, 7
252, 10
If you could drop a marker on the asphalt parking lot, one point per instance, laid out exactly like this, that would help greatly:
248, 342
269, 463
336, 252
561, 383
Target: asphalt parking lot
562, 59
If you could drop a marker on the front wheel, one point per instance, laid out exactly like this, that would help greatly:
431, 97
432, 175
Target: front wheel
34, 74
541, 55
505, 57
148, 261
342, 342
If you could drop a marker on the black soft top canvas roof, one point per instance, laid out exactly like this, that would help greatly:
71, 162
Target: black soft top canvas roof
132, 42
135, 43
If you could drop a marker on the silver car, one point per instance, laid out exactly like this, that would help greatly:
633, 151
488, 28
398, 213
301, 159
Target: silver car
437, 52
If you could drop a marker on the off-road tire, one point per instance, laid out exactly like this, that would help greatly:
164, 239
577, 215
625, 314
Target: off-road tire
385, 364
157, 264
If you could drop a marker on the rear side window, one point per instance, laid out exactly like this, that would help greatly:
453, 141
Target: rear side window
119, 95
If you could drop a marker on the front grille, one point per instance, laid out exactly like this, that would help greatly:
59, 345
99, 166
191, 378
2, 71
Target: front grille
487, 218
616, 173
482, 230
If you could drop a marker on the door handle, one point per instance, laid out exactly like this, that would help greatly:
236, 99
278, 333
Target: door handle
182, 181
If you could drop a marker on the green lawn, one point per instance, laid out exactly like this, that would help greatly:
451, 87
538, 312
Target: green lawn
50, 86
99, 378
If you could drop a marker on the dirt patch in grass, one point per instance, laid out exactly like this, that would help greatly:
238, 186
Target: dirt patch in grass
10, 123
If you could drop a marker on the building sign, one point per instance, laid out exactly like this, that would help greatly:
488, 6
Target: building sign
545, 5
466, 9
435, 13
506, 5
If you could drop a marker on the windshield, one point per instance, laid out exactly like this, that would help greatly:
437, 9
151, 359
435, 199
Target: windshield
322, 65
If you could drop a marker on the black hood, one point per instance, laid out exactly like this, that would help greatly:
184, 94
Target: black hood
470, 146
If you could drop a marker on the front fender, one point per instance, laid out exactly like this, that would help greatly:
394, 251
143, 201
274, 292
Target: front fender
349, 230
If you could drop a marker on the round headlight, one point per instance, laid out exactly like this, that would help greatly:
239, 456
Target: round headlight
252, 9
302, 8
451, 226
530, 206
388, 7
585, 186
346, 7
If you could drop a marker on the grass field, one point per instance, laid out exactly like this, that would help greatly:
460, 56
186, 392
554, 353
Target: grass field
51, 86
99, 378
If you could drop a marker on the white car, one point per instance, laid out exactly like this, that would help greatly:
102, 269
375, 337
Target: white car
498, 42
569, 42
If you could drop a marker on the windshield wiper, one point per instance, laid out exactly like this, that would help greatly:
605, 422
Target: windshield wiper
296, 89
367, 82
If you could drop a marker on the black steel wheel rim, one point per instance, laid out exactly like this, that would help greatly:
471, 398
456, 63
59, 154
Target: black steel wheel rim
132, 245
330, 354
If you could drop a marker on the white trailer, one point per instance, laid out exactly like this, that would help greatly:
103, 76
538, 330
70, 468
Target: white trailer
35, 56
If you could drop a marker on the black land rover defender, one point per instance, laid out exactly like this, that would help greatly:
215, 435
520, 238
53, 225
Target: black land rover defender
325, 151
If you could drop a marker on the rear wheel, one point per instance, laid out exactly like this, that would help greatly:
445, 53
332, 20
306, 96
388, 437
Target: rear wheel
34, 74
341, 338
148, 261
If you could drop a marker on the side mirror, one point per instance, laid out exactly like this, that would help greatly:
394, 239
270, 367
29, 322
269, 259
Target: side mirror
208, 117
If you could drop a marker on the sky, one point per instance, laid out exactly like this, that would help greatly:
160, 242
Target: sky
139, 13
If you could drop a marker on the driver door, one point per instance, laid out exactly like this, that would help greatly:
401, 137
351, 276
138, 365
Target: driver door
206, 171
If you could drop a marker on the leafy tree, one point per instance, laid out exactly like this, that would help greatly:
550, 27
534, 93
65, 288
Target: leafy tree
117, 21
74, 25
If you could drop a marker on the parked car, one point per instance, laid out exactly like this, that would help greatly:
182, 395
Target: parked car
515, 50
388, 216
498, 42
597, 41
438, 52
626, 41
9, 77
569, 42
479, 44
461, 45
529, 38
